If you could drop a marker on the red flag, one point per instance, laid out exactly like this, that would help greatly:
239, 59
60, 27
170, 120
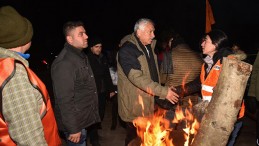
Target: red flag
209, 17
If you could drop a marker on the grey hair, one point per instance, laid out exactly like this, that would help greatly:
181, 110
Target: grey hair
141, 23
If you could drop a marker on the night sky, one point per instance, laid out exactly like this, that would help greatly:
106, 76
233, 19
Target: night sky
112, 19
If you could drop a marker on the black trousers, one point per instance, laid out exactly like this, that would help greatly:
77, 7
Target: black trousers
114, 101
131, 133
102, 97
92, 131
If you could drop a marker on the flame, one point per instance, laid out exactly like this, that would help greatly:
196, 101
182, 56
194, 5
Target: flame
140, 101
184, 81
155, 130
192, 125
179, 115
149, 91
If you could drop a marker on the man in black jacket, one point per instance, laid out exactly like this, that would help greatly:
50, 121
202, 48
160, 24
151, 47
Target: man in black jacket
100, 67
103, 81
74, 86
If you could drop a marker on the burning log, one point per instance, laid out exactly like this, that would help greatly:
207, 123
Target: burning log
221, 113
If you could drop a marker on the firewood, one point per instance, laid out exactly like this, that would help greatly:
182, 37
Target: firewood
221, 113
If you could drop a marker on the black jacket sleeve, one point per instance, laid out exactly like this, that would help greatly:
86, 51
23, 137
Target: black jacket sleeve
189, 88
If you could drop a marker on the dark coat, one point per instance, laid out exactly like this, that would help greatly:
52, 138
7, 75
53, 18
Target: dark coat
75, 91
254, 84
101, 73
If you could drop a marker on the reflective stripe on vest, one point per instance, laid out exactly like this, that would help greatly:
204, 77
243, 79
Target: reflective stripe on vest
207, 88
7, 66
208, 98
210, 81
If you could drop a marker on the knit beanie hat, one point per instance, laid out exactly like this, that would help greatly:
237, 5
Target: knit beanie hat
15, 30
94, 41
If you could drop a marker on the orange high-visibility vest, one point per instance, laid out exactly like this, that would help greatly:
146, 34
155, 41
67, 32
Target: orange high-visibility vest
210, 82
7, 66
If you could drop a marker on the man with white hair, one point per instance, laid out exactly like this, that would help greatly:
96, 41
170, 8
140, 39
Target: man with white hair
138, 77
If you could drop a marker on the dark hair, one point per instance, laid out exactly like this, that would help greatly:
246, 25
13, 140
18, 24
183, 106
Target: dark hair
70, 25
177, 39
165, 36
94, 40
221, 41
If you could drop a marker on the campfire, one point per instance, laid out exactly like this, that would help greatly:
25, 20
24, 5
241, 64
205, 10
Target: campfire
157, 131
215, 126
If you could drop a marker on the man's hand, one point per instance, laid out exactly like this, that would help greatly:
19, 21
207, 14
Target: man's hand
172, 96
112, 94
75, 138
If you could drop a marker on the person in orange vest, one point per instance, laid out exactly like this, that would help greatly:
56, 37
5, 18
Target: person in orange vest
215, 45
26, 115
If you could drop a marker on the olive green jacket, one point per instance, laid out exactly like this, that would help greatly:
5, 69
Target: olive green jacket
137, 87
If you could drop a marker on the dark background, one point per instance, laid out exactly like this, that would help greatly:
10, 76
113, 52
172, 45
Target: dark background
112, 19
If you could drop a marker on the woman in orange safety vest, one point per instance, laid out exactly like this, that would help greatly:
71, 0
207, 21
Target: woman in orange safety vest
215, 46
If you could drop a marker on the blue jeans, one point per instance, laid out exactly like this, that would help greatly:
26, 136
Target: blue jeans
82, 141
234, 133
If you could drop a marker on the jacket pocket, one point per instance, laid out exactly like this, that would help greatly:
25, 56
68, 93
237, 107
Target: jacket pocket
82, 76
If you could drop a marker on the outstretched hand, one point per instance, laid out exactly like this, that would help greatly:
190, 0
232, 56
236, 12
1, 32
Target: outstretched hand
172, 96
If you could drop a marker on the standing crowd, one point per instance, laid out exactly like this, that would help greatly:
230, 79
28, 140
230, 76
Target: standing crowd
83, 79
